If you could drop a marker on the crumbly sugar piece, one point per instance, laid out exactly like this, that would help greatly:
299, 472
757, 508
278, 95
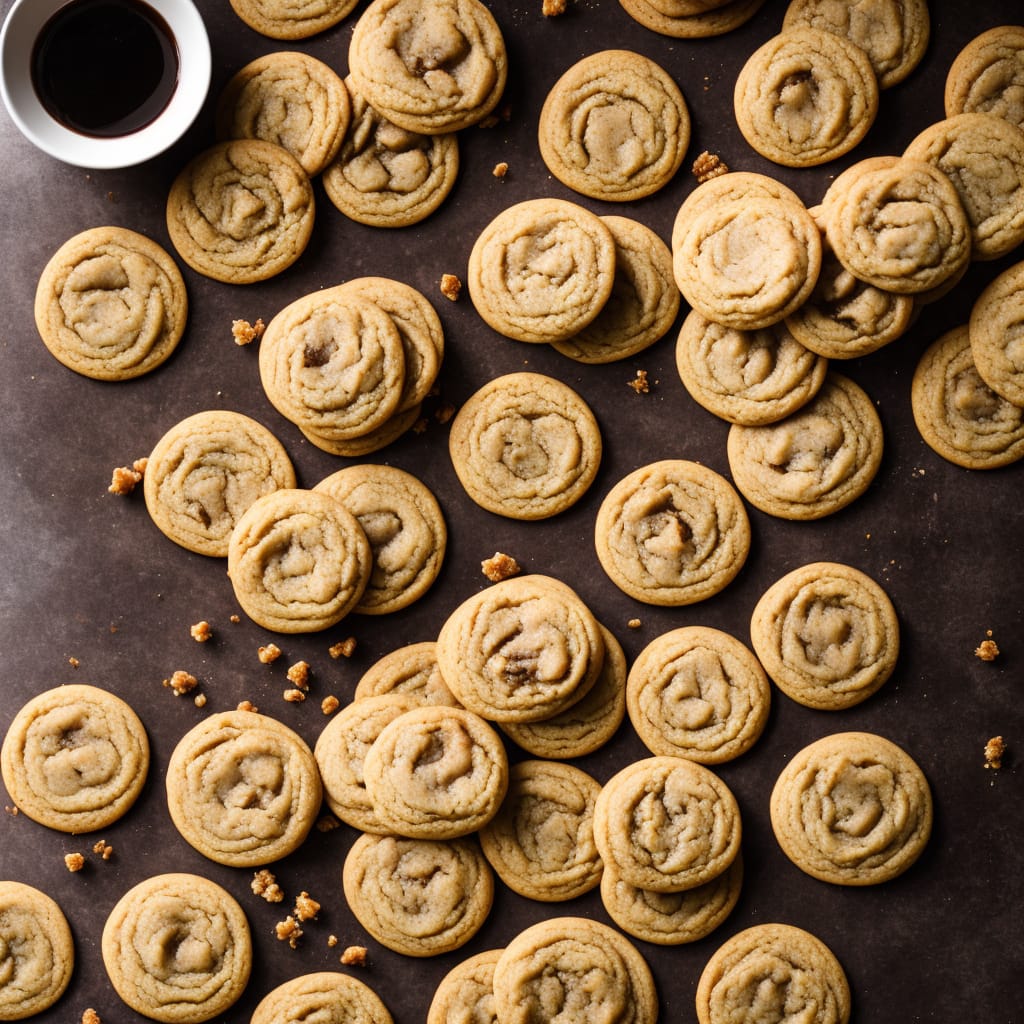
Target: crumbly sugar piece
294, 696
103, 849
268, 653
306, 908
247, 705
995, 750
90, 1016
264, 884
330, 704
201, 631
181, 682
288, 931
298, 675
124, 480
987, 650
500, 567
500, 169
343, 648
354, 956
708, 166
246, 333
74, 862
639, 383
553, 8
450, 286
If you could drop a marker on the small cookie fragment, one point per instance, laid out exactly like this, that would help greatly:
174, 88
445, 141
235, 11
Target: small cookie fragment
181, 682
103, 849
246, 333
995, 749
264, 884
987, 650
90, 1016
74, 862
288, 931
306, 908
268, 653
639, 383
708, 166
330, 704
125, 478
500, 567
553, 8
201, 632
353, 956
343, 648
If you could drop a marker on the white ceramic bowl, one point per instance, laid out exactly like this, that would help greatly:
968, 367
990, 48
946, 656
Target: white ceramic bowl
21, 27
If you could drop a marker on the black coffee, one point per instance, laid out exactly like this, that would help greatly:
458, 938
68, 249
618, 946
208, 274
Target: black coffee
105, 67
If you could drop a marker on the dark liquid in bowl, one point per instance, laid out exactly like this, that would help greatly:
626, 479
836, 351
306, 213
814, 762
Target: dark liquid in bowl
105, 67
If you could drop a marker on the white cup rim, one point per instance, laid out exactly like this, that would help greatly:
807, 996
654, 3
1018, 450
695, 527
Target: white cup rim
21, 26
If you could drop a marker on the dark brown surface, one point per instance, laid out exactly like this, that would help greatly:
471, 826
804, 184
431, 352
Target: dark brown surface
86, 575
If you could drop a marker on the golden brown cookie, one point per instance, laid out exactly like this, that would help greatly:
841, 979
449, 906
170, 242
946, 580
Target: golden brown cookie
852, 808
205, 471
466, 992
672, 533
996, 334
691, 21
987, 76
242, 788
397, 425
111, 304
292, 19
410, 670
177, 949
241, 211
614, 126
75, 758
322, 996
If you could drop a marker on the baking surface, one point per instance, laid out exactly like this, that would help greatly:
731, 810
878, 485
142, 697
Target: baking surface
87, 576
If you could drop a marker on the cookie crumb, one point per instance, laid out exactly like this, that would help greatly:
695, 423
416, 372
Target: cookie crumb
708, 166
235, 619
264, 884
74, 862
200, 631
74, 662
298, 675
995, 750
12, 811
124, 480
639, 383
553, 8
354, 956
343, 648
246, 333
268, 653
90, 1016
181, 682
294, 696
199, 700
330, 704
500, 169
332, 941
327, 823
288, 931
499, 567
246, 705
103, 848
306, 908
450, 286
987, 650
634, 624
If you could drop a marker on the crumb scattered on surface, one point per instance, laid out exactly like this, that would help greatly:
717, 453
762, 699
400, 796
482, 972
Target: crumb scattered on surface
288, 931
332, 941
12, 811
306, 908
235, 619
90, 1016
450, 286
552, 8
268, 653
103, 848
708, 166
354, 956
181, 682
294, 696
298, 675
634, 623
327, 823
74, 662
199, 700
330, 704
499, 567
639, 383
74, 862
995, 750
124, 480
343, 648
500, 169
988, 649
264, 884
201, 631
246, 333
247, 705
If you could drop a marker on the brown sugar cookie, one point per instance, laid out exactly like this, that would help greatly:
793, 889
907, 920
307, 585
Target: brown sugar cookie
852, 808
667, 824
815, 461
75, 758
691, 21
466, 992
894, 35
750, 377
805, 97
241, 211
672, 533
827, 634
393, 428
289, 98
37, 952
643, 303
957, 414
322, 995
242, 788
542, 269
614, 126
697, 692
418, 897
525, 446
430, 66
205, 471
773, 965
292, 19
111, 304
177, 949
996, 334
410, 670
987, 76
386, 176
298, 561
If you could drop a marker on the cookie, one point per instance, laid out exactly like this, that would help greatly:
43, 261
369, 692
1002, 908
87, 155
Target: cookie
750, 377
242, 788
111, 304
177, 948
298, 561
341, 749
773, 965
291, 99
748, 263
827, 634
805, 97
666, 824
697, 692
333, 363
852, 808
205, 471
691, 21
241, 211
431, 67
405, 527
894, 35
573, 968
418, 897
995, 332
541, 841
410, 670
292, 19
672, 533
466, 992
393, 428
386, 176
987, 75
957, 414
37, 952
525, 446
436, 773
75, 758
589, 723
983, 156
672, 918
643, 303
897, 223
614, 126
321, 996
522, 650
541, 270
814, 462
